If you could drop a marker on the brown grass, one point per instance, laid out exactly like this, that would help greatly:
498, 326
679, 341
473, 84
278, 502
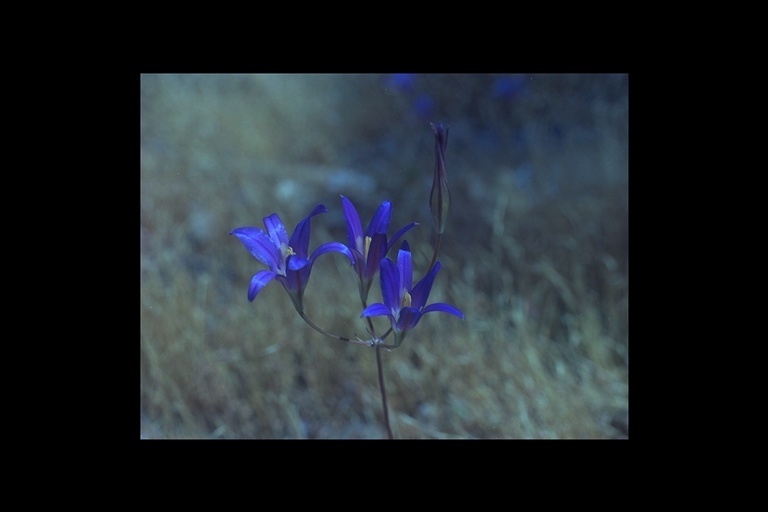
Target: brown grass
541, 278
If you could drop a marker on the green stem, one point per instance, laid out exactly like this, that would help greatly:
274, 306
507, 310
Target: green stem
325, 333
379, 365
380, 368
438, 238
383, 392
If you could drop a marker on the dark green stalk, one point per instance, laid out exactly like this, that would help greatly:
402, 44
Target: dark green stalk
379, 365
325, 333
380, 369
383, 392
438, 238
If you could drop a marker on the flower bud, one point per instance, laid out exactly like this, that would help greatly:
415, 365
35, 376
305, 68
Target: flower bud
440, 196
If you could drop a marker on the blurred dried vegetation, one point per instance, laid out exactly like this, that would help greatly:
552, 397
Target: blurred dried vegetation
535, 255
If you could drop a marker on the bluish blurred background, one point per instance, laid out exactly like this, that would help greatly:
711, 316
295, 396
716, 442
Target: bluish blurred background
535, 254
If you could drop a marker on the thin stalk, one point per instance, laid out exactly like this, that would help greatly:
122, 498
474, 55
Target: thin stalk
325, 333
380, 368
379, 365
383, 392
438, 238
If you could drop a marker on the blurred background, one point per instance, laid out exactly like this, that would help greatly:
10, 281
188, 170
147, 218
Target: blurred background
534, 254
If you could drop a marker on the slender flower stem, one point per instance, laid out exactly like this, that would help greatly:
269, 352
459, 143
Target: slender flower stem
379, 365
380, 369
438, 238
383, 392
370, 323
384, 337
334, 336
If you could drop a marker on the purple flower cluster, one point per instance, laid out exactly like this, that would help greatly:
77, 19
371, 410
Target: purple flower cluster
403, 303
289, 262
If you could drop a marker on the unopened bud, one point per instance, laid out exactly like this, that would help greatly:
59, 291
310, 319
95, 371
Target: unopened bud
440, 196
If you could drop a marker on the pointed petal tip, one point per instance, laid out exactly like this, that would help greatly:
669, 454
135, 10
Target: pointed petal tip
443, 308
320, 208
399, 234
377, 309
258, 282
333, 247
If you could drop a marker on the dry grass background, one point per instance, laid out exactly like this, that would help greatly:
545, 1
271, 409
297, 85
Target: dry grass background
535, 255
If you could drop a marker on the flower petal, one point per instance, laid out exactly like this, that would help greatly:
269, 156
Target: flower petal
376, 252
354, 227
296, 278
405, 267
408, 319
276, 229
333, 247
442, 308
400, 233
420, 292
390, 282
359, 263
377, 309
296, 262
259, 281
299, 241
259, 245
380, 221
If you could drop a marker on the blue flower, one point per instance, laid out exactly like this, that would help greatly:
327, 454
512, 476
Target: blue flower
287, 259
371, 247
404, 304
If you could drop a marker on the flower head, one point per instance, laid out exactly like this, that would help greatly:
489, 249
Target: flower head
371, 247
405, 304
286, 258
440, 195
